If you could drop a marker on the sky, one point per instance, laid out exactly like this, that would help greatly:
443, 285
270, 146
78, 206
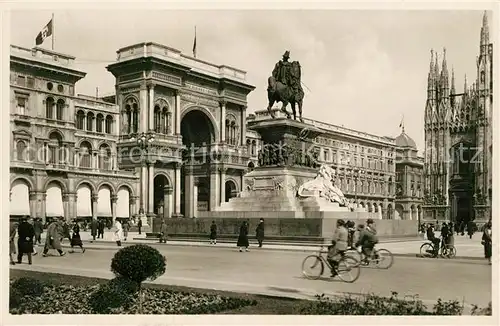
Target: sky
364, 70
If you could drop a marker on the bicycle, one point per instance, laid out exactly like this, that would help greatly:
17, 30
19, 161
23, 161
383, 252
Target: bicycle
382, 258
446, 251
345, 265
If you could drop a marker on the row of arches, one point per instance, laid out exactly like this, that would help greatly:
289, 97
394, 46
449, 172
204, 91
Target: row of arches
54, 110
395, 212
92, 122
252, 147
55, 191
162, 118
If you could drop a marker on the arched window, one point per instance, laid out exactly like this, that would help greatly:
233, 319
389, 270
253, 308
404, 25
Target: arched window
254, 147
157, 119
56, 154
21, 150
135, 115
249, 146
80, 120
166, 120
90, 121
99, 122
128, 117
85, 155
104, 157
49, 108
228, 135
60, 110
131, 118
109, 124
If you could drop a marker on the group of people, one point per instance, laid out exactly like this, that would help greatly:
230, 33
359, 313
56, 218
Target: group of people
346, 236
242, 242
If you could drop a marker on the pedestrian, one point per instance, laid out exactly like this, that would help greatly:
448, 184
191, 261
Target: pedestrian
163, 231
139, 225
126, 228
26, 234
100, 229
118, 233
76, 240
12, 244
487, 242
94, 228
53, 238
444, 234
38, 226
259, 232
213, 233
471, 229
351, 230
243, 237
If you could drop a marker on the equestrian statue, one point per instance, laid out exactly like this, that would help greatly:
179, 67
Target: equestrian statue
285, 86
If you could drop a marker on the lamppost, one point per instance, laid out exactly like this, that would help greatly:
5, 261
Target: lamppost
144, 141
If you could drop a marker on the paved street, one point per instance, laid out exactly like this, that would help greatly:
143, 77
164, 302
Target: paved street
279, 273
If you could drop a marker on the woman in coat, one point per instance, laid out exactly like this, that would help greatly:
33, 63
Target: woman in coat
126, 227
26, 234
163, 232
53, 239
487, 242
213, 233
259, 232
12, 244
76, 240
118, 233
243, 237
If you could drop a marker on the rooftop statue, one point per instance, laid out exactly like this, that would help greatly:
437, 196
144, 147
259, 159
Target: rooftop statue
285, 86
324, 183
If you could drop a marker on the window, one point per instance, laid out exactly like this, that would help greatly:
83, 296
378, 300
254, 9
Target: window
49, 108
157, 119
85, 155
50, 86
109, 124
90, 121
80, 120
21, 105
131, 116
21, 81
31, 82
60, 88
99, 122
21, 150
56, 154
104, 157
254, 147
60, 110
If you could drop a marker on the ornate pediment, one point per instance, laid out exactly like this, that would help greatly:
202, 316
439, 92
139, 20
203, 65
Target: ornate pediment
22, 133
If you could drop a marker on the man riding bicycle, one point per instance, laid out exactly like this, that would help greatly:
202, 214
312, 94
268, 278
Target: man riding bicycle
431, 236
367, 240
338, 247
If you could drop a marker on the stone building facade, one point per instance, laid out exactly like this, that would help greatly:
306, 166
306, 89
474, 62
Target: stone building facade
458, 140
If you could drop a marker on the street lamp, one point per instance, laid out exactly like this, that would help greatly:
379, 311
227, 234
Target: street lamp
144, 140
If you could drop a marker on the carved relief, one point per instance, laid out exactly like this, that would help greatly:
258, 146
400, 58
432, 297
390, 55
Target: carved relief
250, 184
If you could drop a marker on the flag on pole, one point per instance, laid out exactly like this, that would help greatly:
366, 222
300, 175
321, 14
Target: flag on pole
44, 33
402, 123
194, 43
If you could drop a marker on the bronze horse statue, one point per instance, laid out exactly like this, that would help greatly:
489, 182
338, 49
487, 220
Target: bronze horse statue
293, 94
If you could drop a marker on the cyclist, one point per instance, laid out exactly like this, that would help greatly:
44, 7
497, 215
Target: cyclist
431, 236
338, 247
367, 240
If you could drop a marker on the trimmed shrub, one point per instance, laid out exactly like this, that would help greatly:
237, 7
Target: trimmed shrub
107, 298
28, 286
139, 263
123, 284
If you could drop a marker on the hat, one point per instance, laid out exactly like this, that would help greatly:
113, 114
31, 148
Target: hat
286, 54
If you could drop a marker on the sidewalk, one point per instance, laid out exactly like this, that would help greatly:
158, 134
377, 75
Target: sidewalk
466, 248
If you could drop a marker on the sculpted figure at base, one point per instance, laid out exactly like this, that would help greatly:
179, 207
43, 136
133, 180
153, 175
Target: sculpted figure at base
324, 183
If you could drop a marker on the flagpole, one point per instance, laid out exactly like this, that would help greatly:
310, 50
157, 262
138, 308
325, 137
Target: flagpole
53, 31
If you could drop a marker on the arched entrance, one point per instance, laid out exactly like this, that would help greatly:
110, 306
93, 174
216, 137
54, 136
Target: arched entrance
398, 212
198, 133
161, 199
19, 198
231, 190
390, 213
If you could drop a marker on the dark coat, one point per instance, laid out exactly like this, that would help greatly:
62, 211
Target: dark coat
26, 234
12, 244
38, 226
101, 226
487, 242
243, 237
213, 231
259, 231
76, 240
94, 225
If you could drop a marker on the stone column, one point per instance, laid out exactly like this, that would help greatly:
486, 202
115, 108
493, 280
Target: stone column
222, 198
214, 189
167, 193
243, 126
65, 198
177, 113
143, 195
189, 192
72, 204
222, 122
94, 206
114, 199
33, 208
143, 107
195, 198
151, 106
132, 206
151, 172
42, 201
177, 192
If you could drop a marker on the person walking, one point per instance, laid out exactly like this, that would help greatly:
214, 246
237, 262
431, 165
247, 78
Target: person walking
213, 233
259, 232
100, 229
53, 238
126, 228
163, 231
139, 225
487, 242
76, 240
471, 228
243, 237
94, 228
118, 233
38, 226
12, 244
26, 234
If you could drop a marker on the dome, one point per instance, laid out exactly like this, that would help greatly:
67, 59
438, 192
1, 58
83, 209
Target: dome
404, 140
